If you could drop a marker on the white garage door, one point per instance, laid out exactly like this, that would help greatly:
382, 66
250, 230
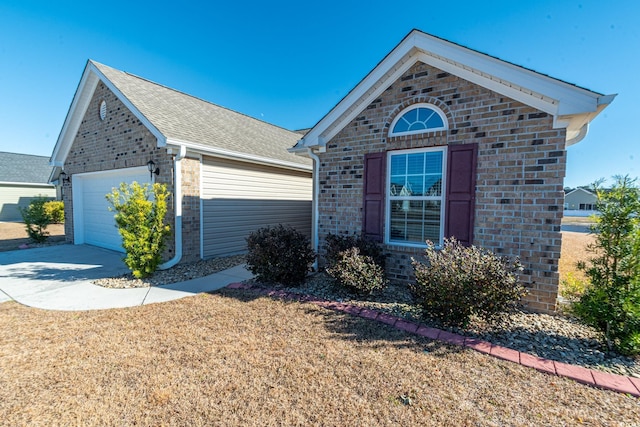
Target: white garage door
93, 221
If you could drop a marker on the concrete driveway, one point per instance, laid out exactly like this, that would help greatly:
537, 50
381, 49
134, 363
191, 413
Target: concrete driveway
59, 278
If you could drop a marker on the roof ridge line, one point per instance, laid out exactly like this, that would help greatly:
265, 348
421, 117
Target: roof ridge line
194, 97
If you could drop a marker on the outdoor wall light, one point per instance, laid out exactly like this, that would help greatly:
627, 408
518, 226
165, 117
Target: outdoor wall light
64, 178
152, 168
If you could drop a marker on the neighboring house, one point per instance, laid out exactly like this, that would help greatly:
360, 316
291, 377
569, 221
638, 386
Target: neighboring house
580, 199
440, 140
23, 177
228, 174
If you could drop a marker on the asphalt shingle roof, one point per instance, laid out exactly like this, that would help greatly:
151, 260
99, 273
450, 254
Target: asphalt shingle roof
16, 167
183, 117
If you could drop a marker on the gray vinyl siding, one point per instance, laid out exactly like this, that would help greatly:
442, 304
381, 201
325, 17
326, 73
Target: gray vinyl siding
14, 197
238, 198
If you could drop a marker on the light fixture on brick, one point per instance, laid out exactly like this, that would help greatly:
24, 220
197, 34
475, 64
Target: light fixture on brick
64, 178
152, 168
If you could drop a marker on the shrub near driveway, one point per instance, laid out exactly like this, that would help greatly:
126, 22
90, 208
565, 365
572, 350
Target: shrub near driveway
279, 255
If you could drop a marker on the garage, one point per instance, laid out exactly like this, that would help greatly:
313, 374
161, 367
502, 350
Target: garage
240, 197
94, 223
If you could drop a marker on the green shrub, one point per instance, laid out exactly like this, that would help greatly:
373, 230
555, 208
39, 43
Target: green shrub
611, 303
140, 212
459, 282
279, 255
572, 288
357, 272
55, 210
36, 219
336, 244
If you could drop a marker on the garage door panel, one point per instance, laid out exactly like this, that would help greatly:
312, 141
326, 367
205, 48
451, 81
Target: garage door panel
98, 223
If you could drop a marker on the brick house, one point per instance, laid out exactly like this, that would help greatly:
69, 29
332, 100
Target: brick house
228, 174
440, 140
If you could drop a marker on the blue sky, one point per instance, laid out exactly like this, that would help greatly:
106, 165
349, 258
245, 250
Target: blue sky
289, 63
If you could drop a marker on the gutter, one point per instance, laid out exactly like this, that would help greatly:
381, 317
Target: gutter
314, 204
177, 197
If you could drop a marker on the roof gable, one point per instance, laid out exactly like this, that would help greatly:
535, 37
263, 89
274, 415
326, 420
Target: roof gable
572, 107
581, 190
176, 118
24, 168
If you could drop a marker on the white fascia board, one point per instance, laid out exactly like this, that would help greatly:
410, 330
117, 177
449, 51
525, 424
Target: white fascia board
375, 79
26, 184
127, 103
234, 155
544, 93
77, 110
572, 99
510, 90
79, 105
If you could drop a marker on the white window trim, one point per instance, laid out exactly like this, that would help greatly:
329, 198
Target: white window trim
388, 198
441, 113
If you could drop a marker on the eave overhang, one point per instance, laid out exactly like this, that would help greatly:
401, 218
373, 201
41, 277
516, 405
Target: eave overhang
572, 107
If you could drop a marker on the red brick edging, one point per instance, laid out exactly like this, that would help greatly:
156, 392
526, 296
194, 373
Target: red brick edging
595, 378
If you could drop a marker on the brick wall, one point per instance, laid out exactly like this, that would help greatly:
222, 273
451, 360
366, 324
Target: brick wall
122, 141
520, 172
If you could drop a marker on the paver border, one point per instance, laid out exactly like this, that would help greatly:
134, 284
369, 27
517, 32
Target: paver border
599, 379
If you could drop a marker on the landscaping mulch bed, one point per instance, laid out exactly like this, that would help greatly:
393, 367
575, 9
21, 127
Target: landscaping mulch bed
235, 358
554, 337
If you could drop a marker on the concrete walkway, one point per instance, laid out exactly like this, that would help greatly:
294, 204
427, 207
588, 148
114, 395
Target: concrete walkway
59, 278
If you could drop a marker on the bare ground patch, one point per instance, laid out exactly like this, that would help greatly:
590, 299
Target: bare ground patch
235, 359
574, 249
14, 234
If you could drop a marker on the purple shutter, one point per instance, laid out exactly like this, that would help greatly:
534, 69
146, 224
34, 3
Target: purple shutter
373, 189
461, 192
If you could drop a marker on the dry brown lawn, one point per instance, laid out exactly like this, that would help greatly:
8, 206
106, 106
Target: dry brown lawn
235, 359
14, 234
574, 249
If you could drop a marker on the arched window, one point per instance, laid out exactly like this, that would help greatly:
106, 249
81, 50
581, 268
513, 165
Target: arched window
418, 118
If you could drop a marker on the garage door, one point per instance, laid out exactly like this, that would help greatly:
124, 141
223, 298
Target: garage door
93, 222
239, 197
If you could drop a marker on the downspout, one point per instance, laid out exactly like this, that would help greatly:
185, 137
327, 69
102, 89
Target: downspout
314, 203
177, 196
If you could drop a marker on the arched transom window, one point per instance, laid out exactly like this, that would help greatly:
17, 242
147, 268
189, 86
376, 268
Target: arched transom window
418, 118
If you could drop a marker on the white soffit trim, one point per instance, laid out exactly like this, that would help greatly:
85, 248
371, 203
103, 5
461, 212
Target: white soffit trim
544, 93
79, 105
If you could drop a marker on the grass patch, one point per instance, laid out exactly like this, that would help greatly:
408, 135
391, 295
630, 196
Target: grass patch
236, 359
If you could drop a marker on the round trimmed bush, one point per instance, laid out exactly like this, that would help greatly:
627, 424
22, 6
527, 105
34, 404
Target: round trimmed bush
279, 255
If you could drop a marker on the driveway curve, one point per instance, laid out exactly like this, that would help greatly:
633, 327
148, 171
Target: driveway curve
59, 278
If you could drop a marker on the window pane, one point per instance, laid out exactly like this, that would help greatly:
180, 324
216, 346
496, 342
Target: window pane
434, 162
398, 164
417, 119
411, 115
415, 221
415, 163
417, 126
415, 185
435, 121
401, 126
433, 185
415, 232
